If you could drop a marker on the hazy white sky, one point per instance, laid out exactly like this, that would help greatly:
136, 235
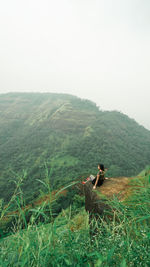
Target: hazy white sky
95, 49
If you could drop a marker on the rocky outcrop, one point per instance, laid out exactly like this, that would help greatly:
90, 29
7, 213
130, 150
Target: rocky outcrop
96, 205
93, 204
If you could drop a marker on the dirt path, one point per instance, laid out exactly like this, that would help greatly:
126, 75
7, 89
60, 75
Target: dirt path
116, 186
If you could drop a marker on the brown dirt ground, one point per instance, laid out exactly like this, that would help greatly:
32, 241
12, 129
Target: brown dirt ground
116, 186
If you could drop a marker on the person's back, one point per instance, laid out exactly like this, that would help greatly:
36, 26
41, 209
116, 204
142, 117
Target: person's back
99, 179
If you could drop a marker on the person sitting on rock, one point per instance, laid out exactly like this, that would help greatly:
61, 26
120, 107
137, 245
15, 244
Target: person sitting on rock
99, 178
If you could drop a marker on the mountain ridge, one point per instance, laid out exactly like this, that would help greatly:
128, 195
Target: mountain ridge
68, 136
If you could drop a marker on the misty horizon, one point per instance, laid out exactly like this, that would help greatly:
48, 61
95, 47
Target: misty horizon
94, 49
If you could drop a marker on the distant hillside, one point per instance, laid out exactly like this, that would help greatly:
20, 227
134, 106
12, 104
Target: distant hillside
69, 136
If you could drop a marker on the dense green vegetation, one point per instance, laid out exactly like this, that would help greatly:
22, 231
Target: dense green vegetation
123, 239
67, 135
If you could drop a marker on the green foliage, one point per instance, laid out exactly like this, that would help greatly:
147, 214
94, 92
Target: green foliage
78, 201
116, 170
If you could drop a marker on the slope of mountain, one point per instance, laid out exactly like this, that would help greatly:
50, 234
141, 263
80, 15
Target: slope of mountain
62, 137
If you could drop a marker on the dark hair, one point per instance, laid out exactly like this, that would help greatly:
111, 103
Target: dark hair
101, 166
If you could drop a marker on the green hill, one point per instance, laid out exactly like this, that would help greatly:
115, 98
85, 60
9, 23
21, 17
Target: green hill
66, 136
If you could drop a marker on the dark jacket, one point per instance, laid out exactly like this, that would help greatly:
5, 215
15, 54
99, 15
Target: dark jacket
101, 178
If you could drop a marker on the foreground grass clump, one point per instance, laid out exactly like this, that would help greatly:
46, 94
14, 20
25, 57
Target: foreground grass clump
123, 240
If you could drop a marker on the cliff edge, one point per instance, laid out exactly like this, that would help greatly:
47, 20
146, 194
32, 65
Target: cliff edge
95, 204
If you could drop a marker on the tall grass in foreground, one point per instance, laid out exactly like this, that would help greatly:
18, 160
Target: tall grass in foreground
121, 241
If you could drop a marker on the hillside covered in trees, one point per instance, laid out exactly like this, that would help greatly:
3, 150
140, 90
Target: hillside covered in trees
65, 137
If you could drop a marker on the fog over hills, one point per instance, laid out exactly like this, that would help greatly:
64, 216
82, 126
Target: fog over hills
98, 50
